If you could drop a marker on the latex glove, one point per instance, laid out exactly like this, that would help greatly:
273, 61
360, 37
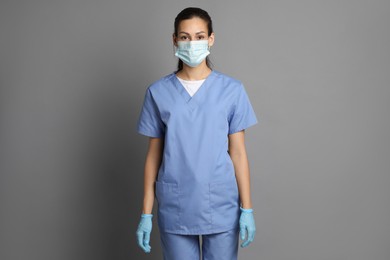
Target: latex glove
143, 232
247, 226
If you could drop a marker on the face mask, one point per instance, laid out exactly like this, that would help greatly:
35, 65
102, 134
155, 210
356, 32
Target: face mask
192, 53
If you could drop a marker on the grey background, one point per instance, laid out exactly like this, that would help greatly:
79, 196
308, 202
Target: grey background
73, 76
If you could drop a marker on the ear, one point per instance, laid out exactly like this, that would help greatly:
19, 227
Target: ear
174, 39
211, 39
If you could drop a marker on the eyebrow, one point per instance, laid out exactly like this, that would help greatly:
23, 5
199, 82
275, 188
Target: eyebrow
196, 33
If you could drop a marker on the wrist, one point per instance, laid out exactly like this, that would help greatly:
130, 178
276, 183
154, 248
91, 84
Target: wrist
143, 215
250, 210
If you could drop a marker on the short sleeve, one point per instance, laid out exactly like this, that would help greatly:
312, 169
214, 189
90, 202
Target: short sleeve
242, 115
149, 122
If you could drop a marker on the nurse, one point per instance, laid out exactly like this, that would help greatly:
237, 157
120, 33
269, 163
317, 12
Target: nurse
196, 165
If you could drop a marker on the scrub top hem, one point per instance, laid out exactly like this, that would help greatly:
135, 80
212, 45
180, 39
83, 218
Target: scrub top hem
211, 231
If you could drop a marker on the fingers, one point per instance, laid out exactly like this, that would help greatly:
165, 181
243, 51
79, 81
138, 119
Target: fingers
143, 241
245, 244
139, 239
146, 242
251, 237
242, 232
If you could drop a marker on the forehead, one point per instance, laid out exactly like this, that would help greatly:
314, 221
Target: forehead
193, 25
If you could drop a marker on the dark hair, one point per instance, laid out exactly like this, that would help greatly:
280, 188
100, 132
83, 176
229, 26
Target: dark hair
188, 13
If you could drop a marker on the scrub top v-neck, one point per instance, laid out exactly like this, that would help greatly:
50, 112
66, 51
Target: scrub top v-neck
191, 85
189, 99
196, 188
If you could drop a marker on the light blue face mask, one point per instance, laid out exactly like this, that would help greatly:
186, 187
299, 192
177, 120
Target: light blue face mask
192, 53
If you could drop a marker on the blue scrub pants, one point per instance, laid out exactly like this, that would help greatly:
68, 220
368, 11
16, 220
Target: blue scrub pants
216, 246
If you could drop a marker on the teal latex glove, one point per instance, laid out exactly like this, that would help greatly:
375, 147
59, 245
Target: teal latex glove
143, 232
247, 226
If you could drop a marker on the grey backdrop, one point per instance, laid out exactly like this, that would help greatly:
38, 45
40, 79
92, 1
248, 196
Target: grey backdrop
73, 76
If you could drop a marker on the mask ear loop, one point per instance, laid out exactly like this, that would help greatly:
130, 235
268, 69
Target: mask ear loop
174, 48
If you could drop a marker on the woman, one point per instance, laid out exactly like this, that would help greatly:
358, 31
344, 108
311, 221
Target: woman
196, 165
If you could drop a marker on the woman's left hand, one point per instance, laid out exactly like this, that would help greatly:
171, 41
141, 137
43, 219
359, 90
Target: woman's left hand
247, 226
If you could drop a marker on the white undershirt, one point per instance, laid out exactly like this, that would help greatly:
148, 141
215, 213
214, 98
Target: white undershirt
191, 85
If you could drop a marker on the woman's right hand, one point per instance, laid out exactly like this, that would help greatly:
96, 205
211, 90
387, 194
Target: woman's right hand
143, 232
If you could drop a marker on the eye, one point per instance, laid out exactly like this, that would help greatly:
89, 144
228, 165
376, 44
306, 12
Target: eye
201, 37
183, 38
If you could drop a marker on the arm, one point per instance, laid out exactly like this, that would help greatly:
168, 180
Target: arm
152, 164
238, 154
239, 157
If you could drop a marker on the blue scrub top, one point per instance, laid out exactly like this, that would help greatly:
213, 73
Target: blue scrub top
196, 187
